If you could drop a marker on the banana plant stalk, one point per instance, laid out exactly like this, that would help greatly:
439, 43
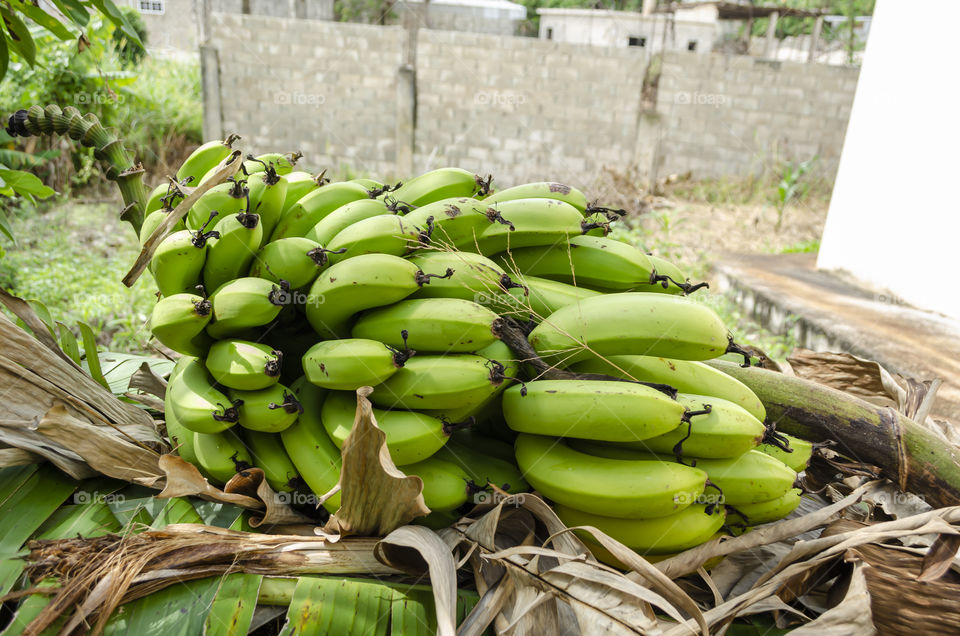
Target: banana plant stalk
908, 454
107, 147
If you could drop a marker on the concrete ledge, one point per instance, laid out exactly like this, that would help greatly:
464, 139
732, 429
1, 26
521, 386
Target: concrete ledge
788, 295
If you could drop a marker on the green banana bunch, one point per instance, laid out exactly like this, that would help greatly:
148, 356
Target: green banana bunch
481, 443
225, 199
343, 217
270, 410
230, 255
541, 297
797, 458
181, 437
445, 485
309, 447
529, 222
153, 220
155, 200
178, 322
362, 282
411, 436
299, 185
434, 325
177, 263
681, 531
296, 260
244, 303
282, 162
248, 366
443, 183
541, 190
451, 381
684, 375
593, 262
382, 234
197, 403
314, 206
750, 478
765, 511
350, 363
221, 455
269, 456
475, 277
591, 409
452, 222
721, 430
609, 487
484, 469
268, 190
671, 327
205, 158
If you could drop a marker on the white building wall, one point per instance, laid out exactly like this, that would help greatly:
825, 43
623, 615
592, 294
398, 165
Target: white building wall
615, 28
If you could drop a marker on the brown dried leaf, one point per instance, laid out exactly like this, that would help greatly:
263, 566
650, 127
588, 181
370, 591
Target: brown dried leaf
22, 310
850, 617
184, 480
375, 497
940, 557
863, 378
18, 457
144, 379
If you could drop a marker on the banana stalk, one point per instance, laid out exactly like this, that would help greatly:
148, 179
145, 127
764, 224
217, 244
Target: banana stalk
87, 129
908, 454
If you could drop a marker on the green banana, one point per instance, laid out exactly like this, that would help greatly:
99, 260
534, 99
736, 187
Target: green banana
343, 217
475, 277
205, 158
225, 199
727, 430
268, 455
382, 234
268, 190
282, 163
177, 263
434, 325
221, 455
411, 436
527, 223
309, 447
631, 323
351, 363
443, 183
230, 255
362, 282
452, 223
594, 262
153, 221
684, 375
155, 200
369, 184
270, 410
670, 277
603, 486
445, 485
181, 438
296, 260
541, 297
178, 322
765, 511
196, 402
541, 190
480, 443
690, 527
451, 381
797, 458
239, 364
591, 409
312, 207
244, 303
299, 185
484, 469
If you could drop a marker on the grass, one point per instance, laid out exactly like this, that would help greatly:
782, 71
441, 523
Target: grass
72, 258
802, 247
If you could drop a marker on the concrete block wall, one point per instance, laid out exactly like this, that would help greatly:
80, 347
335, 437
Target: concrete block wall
326, 89
734, 115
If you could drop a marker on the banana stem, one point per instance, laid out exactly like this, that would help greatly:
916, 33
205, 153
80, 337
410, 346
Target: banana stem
107, 147
917, 460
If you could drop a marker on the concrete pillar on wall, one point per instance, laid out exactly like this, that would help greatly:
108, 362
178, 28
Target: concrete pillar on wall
300, 9
406, 119
212, 110
771, 35
649, 6
814, 39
